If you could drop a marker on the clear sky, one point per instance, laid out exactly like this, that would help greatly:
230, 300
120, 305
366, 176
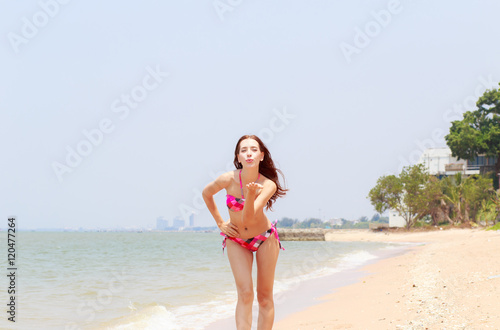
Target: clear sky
116, 113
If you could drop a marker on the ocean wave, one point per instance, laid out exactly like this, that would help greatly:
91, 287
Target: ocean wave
313, 269
193, 317
155, 317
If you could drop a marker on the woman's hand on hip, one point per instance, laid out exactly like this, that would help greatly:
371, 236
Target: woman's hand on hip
229, 229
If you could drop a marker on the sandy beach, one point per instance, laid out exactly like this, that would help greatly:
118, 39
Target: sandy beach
450, 281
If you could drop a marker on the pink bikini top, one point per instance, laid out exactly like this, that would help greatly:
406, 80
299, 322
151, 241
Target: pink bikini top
236, 204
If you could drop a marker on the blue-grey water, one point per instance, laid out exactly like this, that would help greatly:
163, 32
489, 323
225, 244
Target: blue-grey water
150, 280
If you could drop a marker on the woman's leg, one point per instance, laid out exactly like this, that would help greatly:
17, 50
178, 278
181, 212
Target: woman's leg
267, 257
241, 261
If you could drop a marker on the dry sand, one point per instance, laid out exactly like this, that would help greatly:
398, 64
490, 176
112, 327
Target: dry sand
450, 282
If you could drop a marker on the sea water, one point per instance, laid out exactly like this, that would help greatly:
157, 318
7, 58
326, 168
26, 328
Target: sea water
149, 280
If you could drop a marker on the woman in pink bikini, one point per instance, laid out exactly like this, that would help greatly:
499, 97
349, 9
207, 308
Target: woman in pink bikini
248, 229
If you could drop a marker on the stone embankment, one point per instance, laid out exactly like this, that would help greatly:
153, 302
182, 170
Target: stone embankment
313, 234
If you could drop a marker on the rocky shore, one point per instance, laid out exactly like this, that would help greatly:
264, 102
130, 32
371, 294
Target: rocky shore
312, 234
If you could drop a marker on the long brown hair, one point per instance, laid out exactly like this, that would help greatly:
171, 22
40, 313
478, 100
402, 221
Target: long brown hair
266, 168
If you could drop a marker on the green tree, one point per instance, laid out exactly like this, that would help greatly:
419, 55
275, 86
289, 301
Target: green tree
477, 189
287, 222
346, 224
453, 194
363, 219
383, 220
362, 225
310, 223
438, 209
490, 209
411, 194
467, 196
478, 133
387, 193
314, 223
488, 212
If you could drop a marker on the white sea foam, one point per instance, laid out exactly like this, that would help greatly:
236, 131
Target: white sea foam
184, 317
155, 317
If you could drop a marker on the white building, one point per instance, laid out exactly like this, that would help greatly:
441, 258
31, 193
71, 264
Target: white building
440, 162
395, 220
335, 222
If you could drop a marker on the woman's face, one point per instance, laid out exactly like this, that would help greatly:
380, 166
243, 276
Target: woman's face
250, 154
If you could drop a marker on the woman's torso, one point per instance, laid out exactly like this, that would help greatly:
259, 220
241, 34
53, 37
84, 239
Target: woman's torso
256, 226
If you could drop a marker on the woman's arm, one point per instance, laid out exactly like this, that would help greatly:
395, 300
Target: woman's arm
208, 196
254, 203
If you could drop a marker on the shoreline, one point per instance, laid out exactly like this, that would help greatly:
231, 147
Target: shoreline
450, 280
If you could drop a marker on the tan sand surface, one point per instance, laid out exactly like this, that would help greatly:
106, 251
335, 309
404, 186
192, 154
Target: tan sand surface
450, 282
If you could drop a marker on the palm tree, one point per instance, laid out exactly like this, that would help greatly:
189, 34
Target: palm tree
453, 195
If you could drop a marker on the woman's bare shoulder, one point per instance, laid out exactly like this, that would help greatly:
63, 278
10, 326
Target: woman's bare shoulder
225, 179
268, 182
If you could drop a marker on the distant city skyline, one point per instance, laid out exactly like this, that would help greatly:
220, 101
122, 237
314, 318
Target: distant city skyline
178, 224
